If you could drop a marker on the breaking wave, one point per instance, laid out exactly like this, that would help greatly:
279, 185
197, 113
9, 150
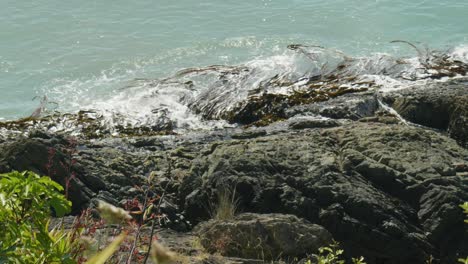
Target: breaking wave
206, 97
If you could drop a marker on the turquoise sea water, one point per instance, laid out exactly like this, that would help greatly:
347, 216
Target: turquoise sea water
82, 53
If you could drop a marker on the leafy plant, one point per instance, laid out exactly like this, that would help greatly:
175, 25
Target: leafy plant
464, 206
333, 255
27, 200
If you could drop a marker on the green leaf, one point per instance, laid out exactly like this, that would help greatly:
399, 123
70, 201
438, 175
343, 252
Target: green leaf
61, 205
26, 190
49, 182
26, 238
3, 199
43, 238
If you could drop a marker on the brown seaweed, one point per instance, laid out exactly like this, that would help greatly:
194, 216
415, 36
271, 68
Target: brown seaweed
436, 64
262, 105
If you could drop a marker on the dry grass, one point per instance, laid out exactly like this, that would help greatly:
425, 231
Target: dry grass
226, 206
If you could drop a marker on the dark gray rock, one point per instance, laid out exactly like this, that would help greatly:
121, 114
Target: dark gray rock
349, 106
388, 192
263, 236
249, 134
443, 106
385, 190
35, 154
91, 173
303, 123
151, 143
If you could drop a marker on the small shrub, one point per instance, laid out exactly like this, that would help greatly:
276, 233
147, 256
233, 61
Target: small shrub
27, 201
464, 206
332, 255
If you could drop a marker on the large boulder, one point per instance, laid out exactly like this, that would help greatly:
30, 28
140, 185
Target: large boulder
44, 157
266, 237
85, 173
385, 189
442, 106
388, 192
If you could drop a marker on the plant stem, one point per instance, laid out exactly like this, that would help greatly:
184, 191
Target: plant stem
139, 228
153, 225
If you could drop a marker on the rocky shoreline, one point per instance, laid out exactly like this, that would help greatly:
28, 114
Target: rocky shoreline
382, 173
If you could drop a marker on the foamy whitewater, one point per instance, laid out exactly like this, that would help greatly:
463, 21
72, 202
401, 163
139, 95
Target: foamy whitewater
188, 62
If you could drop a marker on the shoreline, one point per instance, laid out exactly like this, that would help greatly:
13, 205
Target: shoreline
388, 189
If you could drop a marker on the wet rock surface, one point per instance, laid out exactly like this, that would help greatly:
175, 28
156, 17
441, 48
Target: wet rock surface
387, 187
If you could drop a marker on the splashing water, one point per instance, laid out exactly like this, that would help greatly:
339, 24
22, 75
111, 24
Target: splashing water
213, 97
83, 53
199, 98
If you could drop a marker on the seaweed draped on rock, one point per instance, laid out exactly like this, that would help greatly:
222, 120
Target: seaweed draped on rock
386, 190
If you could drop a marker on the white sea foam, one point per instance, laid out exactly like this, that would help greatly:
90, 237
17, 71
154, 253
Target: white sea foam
460, 53
187, 98
393, 112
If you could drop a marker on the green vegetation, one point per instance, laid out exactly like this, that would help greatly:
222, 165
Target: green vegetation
464, 206
465, 210
332, 255
27, 201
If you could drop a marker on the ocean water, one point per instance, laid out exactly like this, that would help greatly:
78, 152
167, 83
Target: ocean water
107, 55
